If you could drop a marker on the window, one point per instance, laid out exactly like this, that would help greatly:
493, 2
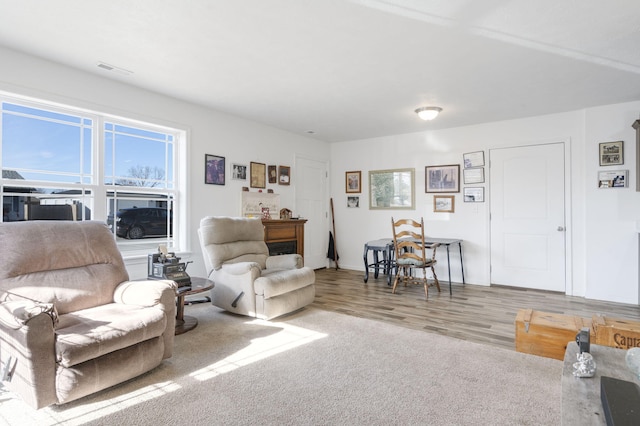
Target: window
67, 164
139, 177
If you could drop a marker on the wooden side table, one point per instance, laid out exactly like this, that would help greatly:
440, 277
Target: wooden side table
184, 322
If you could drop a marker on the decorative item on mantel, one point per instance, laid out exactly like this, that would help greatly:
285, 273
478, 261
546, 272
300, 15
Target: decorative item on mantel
253, 203
265, 212
285, 214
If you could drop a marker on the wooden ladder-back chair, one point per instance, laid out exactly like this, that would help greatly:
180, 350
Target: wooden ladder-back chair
410, 248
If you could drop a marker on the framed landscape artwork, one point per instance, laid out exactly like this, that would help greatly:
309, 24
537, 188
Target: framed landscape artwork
392, 189
444, 203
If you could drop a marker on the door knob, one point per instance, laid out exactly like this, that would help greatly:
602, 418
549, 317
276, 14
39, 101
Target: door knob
560, 228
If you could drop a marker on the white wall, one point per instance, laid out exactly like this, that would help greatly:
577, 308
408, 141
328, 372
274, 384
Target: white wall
602, 254
210, 132
611, 215
603, 242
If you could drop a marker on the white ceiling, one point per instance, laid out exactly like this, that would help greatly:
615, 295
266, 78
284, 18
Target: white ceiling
348, 69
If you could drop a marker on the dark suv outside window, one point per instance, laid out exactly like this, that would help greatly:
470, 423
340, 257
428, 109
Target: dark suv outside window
140, 222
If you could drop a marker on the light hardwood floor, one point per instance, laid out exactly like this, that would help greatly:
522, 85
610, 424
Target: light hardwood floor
475, 313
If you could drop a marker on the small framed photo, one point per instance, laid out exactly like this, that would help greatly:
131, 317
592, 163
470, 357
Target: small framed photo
613, 179
473, 175
284, 175
444, 203
239, 171
352, 182
473, 194
611, 153
214, 168
442, 178
258, 172
473, 159
272, 171
353, 201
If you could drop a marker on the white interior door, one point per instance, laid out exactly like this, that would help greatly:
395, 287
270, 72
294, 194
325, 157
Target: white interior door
311, 204
528, 217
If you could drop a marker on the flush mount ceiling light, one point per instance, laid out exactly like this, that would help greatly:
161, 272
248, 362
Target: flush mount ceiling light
428, 113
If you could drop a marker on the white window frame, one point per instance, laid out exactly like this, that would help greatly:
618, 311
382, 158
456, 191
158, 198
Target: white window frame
99, 190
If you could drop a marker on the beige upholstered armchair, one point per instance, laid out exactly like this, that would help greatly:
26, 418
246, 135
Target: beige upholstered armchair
247, 280
71, 322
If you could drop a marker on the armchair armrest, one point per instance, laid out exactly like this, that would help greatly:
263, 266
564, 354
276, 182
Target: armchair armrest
27, 348
285, 261
234, 286
144, 292
241, 268
158, 293
16, 313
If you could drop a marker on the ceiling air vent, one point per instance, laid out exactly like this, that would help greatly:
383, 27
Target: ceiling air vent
113, 68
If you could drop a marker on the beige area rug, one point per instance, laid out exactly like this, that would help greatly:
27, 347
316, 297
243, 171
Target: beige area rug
315, 367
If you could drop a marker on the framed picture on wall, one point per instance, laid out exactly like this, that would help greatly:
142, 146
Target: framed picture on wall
273, 174
473, 175
239, 171
611, 153
214, 167
352, 182
258, 174
442, 178
284, 175
613, 179
473, 159
444, 203
473, 195
384, 193
353, 201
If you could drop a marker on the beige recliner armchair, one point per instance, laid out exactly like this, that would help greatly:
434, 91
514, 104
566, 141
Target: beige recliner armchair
71, 322
247, 280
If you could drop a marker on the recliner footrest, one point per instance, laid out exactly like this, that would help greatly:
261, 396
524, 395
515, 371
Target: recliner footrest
275, 283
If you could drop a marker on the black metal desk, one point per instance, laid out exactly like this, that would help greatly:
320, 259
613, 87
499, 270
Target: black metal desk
448, 242
385, 246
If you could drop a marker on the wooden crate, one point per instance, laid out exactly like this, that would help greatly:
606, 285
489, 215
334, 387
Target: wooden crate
546, 334
616, 332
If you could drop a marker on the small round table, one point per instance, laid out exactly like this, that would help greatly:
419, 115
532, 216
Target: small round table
184, 322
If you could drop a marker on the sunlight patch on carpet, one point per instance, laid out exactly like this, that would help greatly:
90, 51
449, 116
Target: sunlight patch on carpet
91, 411
289, 337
